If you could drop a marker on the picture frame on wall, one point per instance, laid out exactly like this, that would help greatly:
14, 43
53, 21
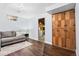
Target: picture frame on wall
13, 18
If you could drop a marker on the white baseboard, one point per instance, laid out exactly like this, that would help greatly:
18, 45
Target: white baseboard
44, 42
77, 54
48, 42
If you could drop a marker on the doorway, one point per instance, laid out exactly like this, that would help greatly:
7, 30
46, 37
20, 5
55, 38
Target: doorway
63, 30
41, 29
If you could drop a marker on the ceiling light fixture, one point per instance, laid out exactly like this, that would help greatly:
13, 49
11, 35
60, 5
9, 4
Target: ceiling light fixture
20, 7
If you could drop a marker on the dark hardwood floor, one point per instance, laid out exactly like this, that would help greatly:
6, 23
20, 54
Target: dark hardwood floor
40, 49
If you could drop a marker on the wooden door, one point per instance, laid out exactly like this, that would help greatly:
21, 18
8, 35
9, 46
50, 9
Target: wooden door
58, 27
70, 29
63, 29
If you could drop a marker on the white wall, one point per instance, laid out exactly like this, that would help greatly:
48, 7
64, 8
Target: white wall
21, 23
77, 27
48, 29
5, 24
8, 25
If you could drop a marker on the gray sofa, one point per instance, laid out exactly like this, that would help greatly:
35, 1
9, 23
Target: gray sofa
9, 37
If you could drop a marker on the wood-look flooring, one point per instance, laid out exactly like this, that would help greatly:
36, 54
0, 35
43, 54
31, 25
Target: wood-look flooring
41, 49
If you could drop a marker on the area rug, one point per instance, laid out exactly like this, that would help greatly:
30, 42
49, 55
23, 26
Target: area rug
12, 48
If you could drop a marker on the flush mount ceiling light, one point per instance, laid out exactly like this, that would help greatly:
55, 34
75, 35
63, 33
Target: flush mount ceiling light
18, 6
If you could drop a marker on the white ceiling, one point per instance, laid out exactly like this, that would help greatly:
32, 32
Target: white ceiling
28, 10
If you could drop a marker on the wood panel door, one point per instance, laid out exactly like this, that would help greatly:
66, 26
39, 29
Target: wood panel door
70, 29
58, 27
63, 29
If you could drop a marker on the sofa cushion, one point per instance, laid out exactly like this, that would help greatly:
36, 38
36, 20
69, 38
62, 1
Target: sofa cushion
20, 37
8, 34
7, 39
13, 33
12, 39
